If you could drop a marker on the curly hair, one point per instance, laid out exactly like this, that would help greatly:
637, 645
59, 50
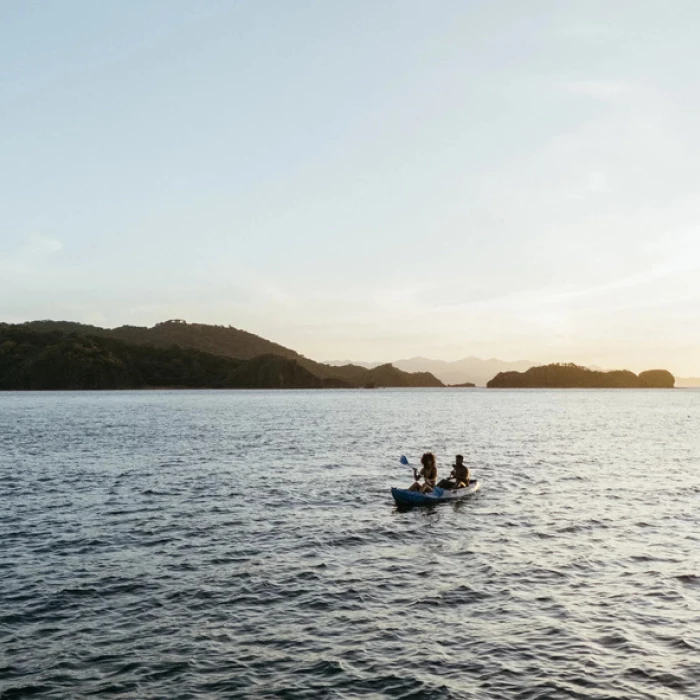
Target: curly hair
428, 458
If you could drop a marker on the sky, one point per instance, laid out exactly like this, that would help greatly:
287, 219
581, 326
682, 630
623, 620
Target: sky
366, 180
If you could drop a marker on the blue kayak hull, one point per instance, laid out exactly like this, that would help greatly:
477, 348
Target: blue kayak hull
404, 497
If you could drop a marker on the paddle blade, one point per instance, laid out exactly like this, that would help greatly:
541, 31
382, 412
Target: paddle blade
403, 460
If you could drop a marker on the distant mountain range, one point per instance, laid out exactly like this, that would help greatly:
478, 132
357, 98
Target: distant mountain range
469, 370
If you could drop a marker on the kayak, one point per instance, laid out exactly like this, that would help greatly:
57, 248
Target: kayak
404, 497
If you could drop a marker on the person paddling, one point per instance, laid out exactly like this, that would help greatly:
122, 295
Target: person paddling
428, 472
461, 472
459, 476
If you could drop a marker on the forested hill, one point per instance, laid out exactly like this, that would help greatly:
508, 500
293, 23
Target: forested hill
217, 340
570, 376
57, 360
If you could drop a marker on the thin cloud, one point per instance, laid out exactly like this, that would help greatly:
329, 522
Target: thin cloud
595, 89
595, 182
549, 296
585, 30
38, 246
26, 259
255, 284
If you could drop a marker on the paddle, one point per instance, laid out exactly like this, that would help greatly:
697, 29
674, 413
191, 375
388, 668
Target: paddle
406, 463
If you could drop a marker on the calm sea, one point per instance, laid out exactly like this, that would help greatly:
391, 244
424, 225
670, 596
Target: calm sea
244, 544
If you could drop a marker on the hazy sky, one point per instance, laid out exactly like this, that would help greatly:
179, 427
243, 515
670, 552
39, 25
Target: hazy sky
360, 179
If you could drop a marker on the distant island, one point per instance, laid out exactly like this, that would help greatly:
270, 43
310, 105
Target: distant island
60, 355
472, 370
468, 370
571, 376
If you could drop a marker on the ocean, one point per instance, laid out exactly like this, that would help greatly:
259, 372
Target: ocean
244, 544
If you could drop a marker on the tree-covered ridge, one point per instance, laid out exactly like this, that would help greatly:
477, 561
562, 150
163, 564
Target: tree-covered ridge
571, 376
233, 343
56, 360
217, 340
30, 360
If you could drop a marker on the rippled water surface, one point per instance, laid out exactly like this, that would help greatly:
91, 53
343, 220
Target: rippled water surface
245, 545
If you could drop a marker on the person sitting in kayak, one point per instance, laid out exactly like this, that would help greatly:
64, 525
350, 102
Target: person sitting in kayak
459, 476
428, 472
461, 472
